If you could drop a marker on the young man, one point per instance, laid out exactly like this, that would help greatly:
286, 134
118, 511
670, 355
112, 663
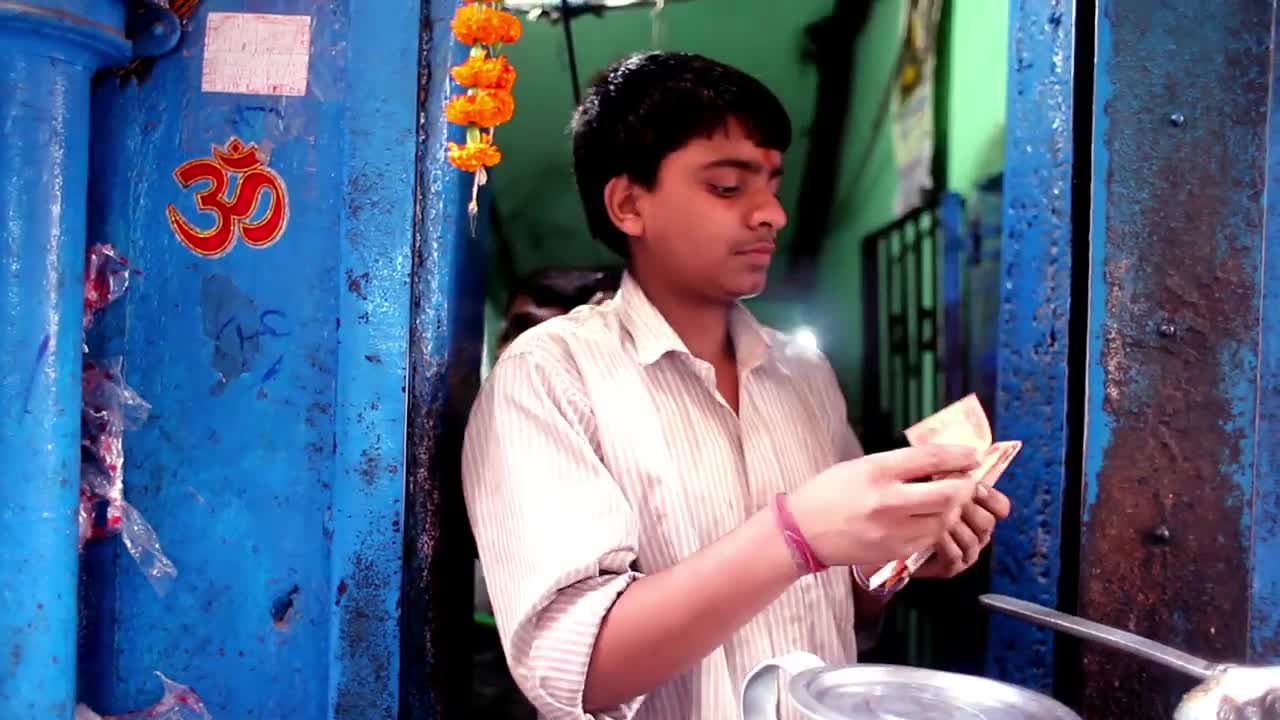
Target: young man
663, 492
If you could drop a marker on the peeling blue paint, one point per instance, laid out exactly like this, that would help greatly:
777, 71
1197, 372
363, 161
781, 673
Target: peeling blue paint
1264, 620
1100, 428
273, 466
446, 342
378, 225
1176, 280
48, 53
1035, 299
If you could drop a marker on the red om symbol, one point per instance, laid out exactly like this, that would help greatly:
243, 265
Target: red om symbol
232, 207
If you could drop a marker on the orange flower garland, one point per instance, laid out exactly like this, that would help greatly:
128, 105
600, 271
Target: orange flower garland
488, 78
482, 22
473, 156
485, 108
485, 72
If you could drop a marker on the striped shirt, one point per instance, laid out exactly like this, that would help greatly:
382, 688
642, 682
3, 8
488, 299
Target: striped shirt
599, 450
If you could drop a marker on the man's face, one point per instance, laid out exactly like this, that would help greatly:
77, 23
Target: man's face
709, 224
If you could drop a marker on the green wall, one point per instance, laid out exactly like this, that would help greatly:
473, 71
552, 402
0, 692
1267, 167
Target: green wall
534, 191
972, 75
534, 187
978, 65
864, 197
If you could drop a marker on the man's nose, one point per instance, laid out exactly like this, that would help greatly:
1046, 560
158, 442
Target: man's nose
768, 213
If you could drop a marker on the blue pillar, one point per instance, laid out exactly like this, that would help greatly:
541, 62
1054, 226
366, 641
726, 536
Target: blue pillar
1264, 605
1035, 297
445, 343
1178, 471
48, 53
272, 467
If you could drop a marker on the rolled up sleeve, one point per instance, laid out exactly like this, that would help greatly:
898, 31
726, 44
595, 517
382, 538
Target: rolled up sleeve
556, 536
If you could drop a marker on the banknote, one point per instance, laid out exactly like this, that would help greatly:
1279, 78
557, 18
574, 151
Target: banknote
964, 422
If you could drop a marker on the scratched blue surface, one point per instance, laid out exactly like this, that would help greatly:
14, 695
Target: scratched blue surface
1031, 393
1264, 622
46, 62
273, 465
1100, 423
445, 347
1173, 497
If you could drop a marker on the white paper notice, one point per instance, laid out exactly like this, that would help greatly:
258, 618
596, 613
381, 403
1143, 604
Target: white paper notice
256, 54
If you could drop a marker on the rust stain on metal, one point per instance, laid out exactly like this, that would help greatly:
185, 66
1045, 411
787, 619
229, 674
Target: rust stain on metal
369, 461
282, 610
363, 635
355, 284
1163, 552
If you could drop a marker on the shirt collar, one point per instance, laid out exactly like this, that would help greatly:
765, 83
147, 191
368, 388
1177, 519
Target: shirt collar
653, 337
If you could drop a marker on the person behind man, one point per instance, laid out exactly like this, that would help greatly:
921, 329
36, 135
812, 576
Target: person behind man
551, 292
663, 491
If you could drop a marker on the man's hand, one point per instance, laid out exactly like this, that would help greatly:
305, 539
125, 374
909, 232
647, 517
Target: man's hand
960, 547
869, 511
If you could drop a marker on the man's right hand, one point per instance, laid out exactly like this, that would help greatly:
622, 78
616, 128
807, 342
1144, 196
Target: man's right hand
868, 511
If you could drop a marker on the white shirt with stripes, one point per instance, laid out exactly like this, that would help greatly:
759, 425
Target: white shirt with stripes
599, 450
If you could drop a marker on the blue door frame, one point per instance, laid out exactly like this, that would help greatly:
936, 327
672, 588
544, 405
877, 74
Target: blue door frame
335, 546
304, 509
1139, 348
1035, 308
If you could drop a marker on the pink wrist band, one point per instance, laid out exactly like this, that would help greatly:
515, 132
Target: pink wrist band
801, 551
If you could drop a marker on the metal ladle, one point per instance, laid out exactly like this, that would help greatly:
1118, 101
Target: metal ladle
1226, 691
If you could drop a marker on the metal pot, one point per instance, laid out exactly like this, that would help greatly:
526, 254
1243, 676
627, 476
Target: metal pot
888, 692
1227, 692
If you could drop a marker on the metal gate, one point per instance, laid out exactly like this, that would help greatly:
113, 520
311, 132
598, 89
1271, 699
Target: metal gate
930, 299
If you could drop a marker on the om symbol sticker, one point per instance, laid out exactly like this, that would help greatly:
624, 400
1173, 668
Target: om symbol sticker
255, 208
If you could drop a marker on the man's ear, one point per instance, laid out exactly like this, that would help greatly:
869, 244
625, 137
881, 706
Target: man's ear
622, 200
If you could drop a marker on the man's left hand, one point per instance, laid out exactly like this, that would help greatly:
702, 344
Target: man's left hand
964, 542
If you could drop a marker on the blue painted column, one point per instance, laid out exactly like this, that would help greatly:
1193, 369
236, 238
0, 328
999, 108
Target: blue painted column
272, 466
445, 344
48, 53
1264, 606
1035, 305
1179, 515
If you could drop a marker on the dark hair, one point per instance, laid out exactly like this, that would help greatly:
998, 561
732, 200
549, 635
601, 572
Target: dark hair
651, 104
565, 288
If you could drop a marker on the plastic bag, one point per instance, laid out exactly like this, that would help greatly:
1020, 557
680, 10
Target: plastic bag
106, 277
178, 703
110, 407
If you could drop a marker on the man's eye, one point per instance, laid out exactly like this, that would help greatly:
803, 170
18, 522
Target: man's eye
724, 190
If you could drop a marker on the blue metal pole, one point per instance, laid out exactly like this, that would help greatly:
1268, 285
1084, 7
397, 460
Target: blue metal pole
1173, 463
1264, 604
445, 342
48, 53
1035, 299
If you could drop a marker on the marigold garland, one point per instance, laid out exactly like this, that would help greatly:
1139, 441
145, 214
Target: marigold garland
471, 157
486, 108
485, 72
483, 22
488, 78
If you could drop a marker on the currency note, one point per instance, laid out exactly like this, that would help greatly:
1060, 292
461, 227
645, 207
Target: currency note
964, 422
